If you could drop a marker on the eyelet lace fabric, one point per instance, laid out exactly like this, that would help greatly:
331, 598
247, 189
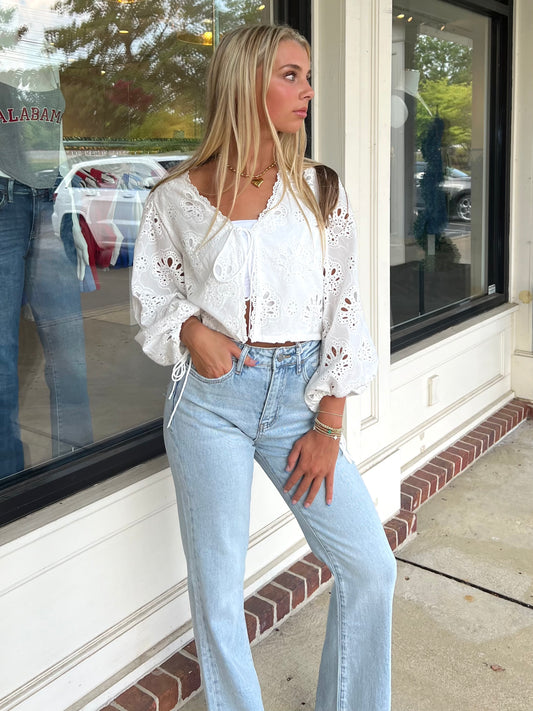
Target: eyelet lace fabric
297, 292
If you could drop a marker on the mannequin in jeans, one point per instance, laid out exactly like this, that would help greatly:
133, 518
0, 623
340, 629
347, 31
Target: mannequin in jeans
37, 267
245, 279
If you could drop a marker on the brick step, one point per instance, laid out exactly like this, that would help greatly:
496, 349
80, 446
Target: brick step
417, 488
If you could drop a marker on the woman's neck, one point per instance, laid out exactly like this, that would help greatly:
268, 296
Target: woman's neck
254, 165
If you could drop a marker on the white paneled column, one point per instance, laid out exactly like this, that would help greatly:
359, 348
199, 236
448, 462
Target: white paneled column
352, 75
521, 290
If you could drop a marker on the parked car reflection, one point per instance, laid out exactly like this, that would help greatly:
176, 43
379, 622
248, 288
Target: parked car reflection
457, 187
107, 195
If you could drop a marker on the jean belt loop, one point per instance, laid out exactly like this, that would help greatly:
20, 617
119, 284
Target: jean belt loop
10, 186
240, 362
298, 358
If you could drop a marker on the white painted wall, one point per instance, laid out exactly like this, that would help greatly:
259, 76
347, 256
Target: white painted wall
93, 590
97, 584
522, 201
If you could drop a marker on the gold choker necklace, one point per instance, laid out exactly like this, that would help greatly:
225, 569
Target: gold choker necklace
256, 180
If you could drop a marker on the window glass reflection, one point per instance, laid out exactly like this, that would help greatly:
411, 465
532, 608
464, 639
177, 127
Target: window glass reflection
438, 159
98, 100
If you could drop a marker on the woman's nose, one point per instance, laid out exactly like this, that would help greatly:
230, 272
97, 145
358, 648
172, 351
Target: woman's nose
308, 92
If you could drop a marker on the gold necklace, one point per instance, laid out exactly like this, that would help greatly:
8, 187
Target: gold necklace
256, 180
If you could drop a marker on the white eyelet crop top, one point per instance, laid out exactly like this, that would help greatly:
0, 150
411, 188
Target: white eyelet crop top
299, 291
245, 230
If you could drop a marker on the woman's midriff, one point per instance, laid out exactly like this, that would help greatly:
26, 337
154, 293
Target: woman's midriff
270, 345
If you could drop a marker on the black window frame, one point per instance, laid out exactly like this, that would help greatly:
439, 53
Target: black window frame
296, 13
37, 487
500, 14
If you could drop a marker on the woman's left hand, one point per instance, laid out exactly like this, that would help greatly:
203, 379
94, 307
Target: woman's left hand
311, 461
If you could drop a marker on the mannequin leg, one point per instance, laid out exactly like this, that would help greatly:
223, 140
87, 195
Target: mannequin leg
15, 227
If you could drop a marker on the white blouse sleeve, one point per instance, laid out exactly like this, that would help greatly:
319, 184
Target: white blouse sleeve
348, 359
160, 303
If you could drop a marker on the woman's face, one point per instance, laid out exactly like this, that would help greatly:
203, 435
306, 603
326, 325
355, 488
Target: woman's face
289, 91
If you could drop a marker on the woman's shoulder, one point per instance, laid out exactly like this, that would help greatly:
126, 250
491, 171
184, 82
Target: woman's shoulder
172, 190
203, 177
171, 184
178, 201
317, 171
192, 183
325, 184
321, 178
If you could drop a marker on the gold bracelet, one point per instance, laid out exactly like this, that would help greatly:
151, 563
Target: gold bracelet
332, 432
326, 412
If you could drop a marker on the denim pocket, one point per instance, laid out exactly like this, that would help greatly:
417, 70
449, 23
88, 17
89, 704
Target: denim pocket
221, 379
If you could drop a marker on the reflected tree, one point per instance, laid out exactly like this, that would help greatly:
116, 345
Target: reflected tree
446, 88
136, 68
452, 101
9, 34
442, 59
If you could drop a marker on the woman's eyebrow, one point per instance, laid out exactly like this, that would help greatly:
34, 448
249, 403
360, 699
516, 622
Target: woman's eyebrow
291, 66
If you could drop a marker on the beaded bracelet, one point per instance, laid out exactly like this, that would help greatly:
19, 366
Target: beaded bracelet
332, 432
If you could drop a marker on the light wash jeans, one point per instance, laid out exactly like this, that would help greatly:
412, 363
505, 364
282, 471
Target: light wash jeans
220, 426
36, 265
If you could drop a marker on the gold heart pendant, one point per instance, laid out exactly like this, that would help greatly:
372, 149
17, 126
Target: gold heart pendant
257, 182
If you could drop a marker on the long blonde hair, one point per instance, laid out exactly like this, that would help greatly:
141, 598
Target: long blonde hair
232, 115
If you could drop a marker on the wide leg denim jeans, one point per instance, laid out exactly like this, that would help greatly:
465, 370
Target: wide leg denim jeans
35, 266
219, 428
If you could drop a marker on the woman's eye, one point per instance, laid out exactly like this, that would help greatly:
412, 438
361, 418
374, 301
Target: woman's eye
291, 76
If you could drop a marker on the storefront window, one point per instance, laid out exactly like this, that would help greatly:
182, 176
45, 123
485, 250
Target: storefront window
439, 160
98, 100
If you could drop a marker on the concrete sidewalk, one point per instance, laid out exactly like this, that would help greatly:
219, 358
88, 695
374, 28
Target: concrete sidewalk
463, 618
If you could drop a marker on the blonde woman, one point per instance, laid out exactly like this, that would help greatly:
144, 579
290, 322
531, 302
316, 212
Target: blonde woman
245, 280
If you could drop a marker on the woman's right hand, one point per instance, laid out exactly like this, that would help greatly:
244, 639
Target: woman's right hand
211, 351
